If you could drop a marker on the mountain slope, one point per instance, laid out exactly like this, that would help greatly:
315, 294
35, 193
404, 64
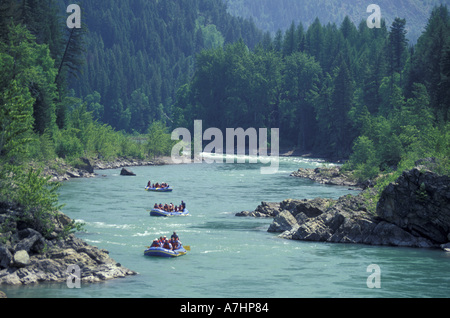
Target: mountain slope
139, 52
271, 15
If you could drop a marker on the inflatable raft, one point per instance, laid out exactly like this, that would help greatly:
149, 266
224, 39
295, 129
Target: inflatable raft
168, 189
162, 252
158, 212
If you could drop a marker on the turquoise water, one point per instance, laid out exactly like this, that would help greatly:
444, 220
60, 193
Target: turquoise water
231, 257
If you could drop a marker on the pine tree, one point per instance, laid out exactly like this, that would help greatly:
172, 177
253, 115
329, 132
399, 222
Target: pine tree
315, 40
397, 46
342, 100
348, 30
8, 13
290, 41
429, 58
445, 84
32, 67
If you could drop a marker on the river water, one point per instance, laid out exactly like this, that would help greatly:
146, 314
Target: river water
230, 256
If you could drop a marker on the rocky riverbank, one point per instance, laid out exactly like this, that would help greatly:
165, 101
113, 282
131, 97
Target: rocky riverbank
29, 257
59, 170
331, 176
412, 212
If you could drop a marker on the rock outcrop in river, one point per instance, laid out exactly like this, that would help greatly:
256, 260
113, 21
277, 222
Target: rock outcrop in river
412, 212
419, 203
330, 176
28, 256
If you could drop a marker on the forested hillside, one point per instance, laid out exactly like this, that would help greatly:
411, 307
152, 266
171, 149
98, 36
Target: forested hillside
139, 52
337, 90
271, 15
72, 93
119, 72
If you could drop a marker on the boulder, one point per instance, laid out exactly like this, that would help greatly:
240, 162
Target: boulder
6, 258
285, 221
28, 238
21, 259
295, 212
264, 210
85, 166
73, 174
126, 172
446, 247
419, 203
269, 209
310, 208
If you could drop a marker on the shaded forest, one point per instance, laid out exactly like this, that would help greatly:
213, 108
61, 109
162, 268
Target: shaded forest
139, 52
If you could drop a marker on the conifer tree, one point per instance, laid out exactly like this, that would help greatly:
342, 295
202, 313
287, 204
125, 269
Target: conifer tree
397, 46
342, 100
430, 57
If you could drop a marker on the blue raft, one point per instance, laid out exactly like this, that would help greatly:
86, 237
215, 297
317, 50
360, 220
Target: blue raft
162, 252
167, 189
158, 212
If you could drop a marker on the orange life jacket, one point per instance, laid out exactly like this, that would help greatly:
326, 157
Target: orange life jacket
167, 246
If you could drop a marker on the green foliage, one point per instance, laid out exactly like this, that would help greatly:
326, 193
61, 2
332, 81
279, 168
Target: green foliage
342, 92
42, 147
159, 141
421, 193
93, 104
31, 66
15, 121
39, 120
87, 137
211, 37
364, 159
30, 190
428, 63
68, 144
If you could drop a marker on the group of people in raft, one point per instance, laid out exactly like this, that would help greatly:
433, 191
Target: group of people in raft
172, 244
170, 207
163, 185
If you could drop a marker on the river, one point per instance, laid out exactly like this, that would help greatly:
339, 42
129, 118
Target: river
230, 256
